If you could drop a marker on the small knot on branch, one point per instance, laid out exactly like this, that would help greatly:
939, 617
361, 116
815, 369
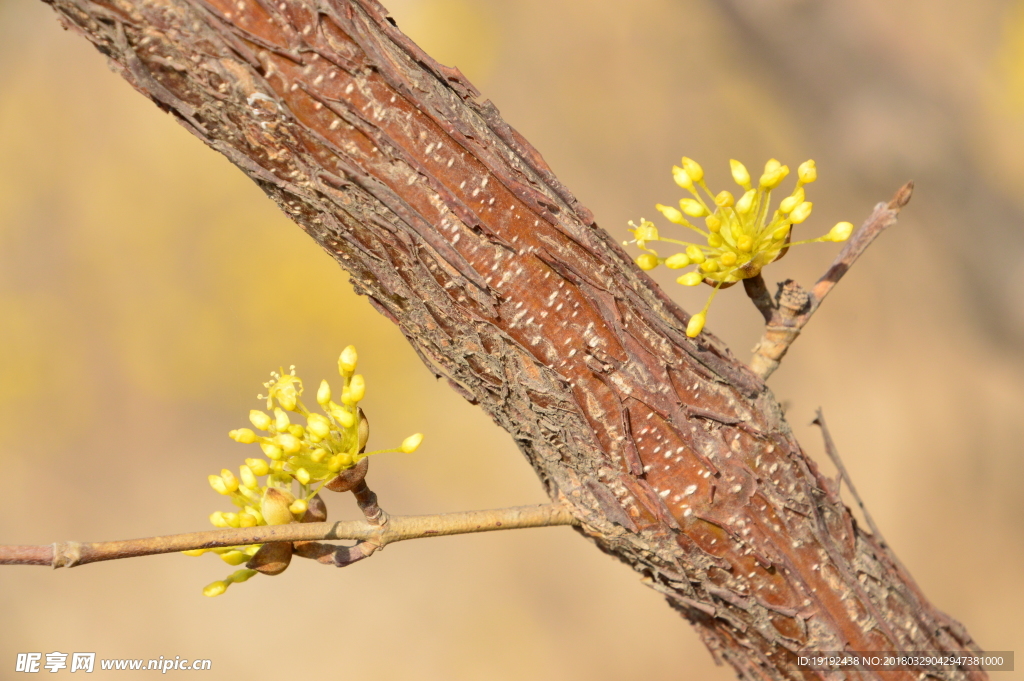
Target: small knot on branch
792, 297
66, 554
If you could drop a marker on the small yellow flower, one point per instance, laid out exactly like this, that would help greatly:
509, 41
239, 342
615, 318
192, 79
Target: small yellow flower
743, 235
302, 458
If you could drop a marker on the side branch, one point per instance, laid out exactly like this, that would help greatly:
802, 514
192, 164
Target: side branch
400, 528
792, 308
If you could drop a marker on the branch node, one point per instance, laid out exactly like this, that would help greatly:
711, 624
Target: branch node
794, 305
66, 554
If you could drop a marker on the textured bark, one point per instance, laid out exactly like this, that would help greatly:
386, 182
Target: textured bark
673, 455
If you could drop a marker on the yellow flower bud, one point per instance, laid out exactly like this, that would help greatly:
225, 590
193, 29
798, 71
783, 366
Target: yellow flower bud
696, 325
715, 240
243, 435
271, 450
299, 507
746, 202
695, 254
714, 223
771, 180
247, 520
693, 169
356, 388
745, 243
728, 258
739, 173
318, 425
339, 461
230, 481
259, 419
347, 361
234, 557
690, 279
841, 232
217, 518
194, 552
217, 483
724, 199
681, 178
772, 165
289, 443
677, 261
647, 261
239, 576
302, 475
215, 589
274, 506
258, 467
281, 422
323, 394
671, 214
780, 233
709, 265
252, 512
411, 443
231, 519
807, 172
692, 208
342, 415
792, 201
801, 212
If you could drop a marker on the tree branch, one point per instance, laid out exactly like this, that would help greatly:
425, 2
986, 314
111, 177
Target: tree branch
672, 455
787, 316
397, 528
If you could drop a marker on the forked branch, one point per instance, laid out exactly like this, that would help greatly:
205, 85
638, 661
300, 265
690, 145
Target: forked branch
792, 308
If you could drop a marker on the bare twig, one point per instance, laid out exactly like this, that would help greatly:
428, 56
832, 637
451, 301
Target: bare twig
794, 306
833, 453
398, 528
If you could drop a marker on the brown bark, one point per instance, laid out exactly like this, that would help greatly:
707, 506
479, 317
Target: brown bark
672, 454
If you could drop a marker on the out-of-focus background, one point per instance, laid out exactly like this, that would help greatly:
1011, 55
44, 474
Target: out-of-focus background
147, 287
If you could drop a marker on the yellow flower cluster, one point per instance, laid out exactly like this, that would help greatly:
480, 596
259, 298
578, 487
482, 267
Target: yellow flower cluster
302, 458
742, 235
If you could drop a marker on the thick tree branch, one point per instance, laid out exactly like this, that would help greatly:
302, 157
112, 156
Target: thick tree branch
672, 455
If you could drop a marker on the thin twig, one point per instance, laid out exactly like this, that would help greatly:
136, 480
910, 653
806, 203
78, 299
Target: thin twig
833, 453
794, 306
397, 528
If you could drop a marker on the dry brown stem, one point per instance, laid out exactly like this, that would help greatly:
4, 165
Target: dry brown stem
672, 455
397, 528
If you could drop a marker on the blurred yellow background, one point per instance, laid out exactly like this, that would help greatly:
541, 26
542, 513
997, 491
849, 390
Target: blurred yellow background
147, 287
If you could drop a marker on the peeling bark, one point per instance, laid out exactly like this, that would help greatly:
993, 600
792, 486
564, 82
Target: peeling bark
672, 454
